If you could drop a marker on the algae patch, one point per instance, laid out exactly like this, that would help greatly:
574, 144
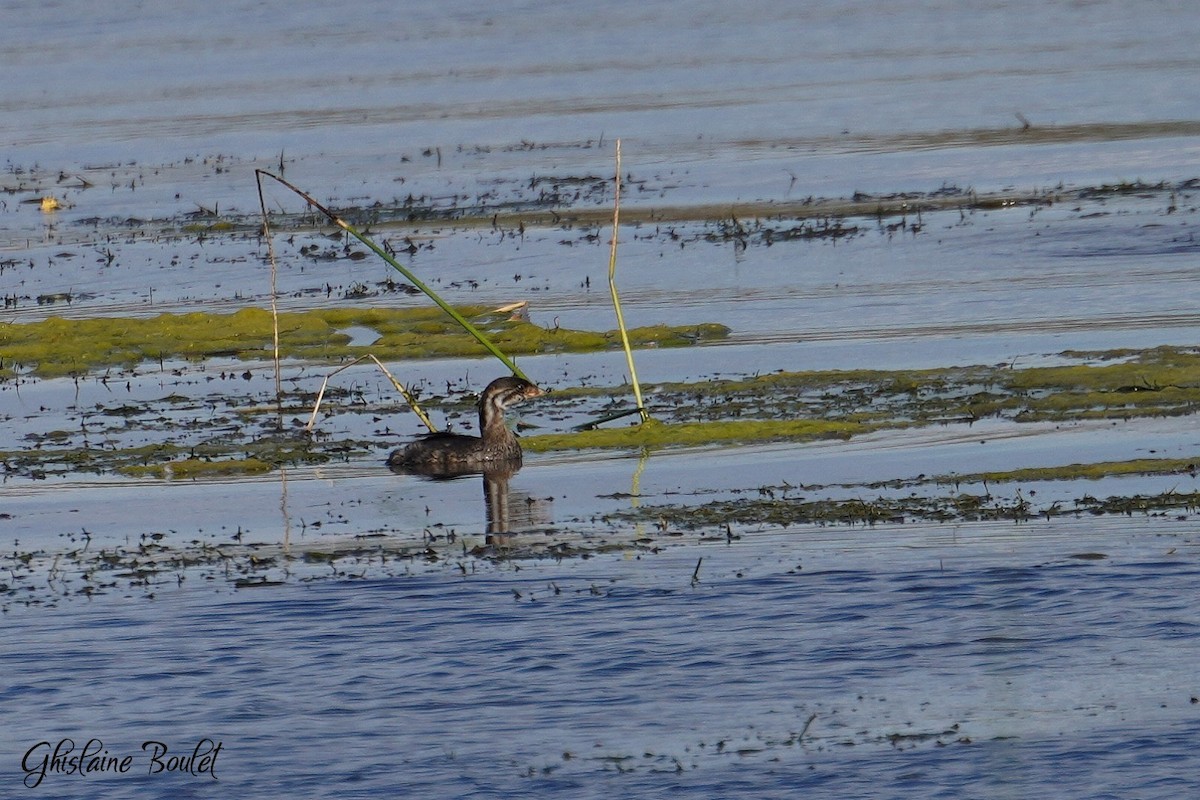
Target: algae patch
1162, 382
198, 468
58, 346
1103, 469
655, 434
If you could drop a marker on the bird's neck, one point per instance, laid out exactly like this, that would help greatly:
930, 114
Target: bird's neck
491, 420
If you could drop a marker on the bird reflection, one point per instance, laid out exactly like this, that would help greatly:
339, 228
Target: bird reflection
496, 498
505, 510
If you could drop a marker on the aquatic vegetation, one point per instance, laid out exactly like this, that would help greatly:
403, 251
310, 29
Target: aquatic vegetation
1104, 469
655, 434
198, 468
184, 453
1160, 382
942, 508
59, 346
818, 404
781, 406
1163, 381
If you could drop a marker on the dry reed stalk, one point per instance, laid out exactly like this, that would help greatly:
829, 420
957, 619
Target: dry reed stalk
408, 395
612, 288
262, 203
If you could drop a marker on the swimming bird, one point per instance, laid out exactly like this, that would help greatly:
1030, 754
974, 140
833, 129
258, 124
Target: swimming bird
445, 454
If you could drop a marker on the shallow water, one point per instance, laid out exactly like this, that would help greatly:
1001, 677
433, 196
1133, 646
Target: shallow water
975, 659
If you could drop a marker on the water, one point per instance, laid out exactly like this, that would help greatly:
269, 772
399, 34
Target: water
721, 103
972, 663
982, 659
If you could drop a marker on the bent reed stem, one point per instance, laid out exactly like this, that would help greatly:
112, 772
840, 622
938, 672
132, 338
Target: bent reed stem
379, 251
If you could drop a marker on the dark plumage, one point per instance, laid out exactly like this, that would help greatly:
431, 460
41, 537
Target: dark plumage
449, 454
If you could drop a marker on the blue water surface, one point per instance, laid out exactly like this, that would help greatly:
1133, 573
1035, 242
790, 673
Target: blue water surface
994, 675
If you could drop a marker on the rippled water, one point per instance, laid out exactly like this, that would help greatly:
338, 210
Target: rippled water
989, 660
960, 662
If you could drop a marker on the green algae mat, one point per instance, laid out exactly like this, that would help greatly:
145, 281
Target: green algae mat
61, 346
1115, 385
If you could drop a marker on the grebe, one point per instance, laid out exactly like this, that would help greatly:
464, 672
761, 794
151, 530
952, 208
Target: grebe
450, 454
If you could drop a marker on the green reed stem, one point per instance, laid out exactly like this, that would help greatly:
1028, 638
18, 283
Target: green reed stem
430, 293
